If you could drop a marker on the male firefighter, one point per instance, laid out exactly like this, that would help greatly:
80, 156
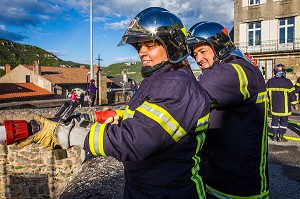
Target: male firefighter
235, 150
159, 140
281, 93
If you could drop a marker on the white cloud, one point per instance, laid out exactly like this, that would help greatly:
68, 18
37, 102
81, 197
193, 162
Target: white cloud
56, 53
117, 25
190, 11
2, 27
125, 59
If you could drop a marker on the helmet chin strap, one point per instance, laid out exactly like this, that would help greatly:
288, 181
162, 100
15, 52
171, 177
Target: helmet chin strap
147, 71
216, 61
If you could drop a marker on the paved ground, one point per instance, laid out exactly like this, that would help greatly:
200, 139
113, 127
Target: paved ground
284, 163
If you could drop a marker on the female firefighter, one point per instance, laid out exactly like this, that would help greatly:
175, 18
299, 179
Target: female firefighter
159, 140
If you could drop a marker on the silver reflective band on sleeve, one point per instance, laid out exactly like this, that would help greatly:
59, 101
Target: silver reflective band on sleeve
243, 80
96, 139
262, 97
128, 113
202, 123
163, 118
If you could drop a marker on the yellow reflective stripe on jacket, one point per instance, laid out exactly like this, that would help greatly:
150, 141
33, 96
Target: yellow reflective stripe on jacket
286, 97
202, 123
243, 80
128, 113
262, 97
196, 178
264, 152
297, 84
96, 139
219, 194
162, 117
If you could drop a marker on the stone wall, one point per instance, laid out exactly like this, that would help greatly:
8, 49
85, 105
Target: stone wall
34, 171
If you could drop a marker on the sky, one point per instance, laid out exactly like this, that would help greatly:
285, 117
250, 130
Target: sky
62, 27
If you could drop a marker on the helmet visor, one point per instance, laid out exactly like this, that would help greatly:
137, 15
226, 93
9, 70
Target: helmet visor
193, 41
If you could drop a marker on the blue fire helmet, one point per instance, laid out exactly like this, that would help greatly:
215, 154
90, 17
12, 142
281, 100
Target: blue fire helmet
214, 34
280, 70
159, 24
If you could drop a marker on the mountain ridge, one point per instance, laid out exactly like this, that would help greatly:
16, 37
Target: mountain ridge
14, 53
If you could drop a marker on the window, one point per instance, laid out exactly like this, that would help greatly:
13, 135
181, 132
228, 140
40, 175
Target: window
27, 78
254, 2
286, 30
254, 34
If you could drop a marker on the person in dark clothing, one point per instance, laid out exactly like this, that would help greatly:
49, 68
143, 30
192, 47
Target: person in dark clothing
297, 92
281, 93
235, 150
93, 91
133, 87
164, 124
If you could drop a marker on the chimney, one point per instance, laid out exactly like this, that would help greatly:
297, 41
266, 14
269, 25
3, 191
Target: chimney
7, 68
37, 68
95, 67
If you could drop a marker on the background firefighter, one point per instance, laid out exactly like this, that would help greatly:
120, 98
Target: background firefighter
281, 93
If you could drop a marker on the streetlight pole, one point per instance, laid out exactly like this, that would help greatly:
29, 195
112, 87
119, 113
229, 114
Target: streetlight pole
91, 40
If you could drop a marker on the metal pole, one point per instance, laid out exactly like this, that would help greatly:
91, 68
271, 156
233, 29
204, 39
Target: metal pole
91, 40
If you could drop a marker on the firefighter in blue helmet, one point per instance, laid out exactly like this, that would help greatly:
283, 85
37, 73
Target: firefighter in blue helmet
235, 150
159, 139
281, 93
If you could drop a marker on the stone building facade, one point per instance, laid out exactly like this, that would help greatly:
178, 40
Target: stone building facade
270, 31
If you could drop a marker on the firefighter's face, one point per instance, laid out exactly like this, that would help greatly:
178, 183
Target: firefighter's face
152, 53
204, 55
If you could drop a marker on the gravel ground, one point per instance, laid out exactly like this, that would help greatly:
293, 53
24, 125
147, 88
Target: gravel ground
100, 177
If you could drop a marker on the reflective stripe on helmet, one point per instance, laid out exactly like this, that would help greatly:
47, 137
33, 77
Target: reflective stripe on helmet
164, 119
243, 80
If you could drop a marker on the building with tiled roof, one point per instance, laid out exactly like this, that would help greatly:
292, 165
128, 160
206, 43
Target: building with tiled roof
57, 80
23, 91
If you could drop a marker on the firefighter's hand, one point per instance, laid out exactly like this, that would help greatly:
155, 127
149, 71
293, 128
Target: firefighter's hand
113, 120
295, 107
45, 136
71, 135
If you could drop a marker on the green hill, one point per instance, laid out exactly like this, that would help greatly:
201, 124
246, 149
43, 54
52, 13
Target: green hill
133, 71
14, 54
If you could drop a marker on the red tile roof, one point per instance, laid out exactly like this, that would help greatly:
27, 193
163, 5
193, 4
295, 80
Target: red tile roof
21, 90
58, 75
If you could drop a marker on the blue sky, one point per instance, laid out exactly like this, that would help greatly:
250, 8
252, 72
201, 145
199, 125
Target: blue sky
62, 27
